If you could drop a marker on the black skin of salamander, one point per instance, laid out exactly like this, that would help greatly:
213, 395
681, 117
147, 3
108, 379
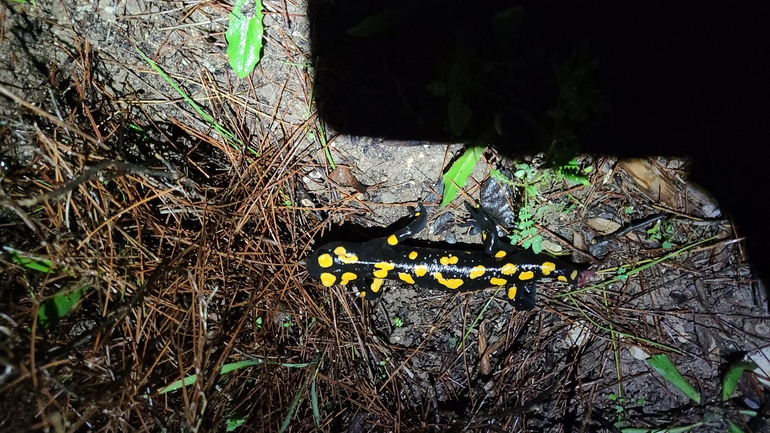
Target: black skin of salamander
379, 250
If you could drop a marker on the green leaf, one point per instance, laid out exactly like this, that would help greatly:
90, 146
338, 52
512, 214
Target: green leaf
29, 261
571, 172
52, 310
314, 404
531, 190
732, 428
234, 423
244, 39
459, 115
189, 380
458, 173
730, 381
537, 244
663, 365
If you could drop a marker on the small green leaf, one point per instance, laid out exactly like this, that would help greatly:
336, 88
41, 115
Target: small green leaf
531, 190
733, 428
234, 423
571, 172
537, 244
732, 376
244, 39
663, 365
458, 173
52, 310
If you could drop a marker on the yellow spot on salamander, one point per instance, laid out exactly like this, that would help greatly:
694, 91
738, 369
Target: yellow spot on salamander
508, 269
376, 285
573, 276
451, 283
526, 275
512, 292
451, 260
344, 256
562, 278
328, 279
498, 281
382, 269
413, 255
325, 260
548, 267
420, 270
347, 277
500, 254
406, 278
477, 271
392, 240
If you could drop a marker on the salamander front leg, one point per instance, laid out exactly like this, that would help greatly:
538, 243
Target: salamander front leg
414, 227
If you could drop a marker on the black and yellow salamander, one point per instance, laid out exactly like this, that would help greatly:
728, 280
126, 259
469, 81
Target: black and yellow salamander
498, 265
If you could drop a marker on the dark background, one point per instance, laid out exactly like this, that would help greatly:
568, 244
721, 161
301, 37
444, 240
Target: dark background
680, 79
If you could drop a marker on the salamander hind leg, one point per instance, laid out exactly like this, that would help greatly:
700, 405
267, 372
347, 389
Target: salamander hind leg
523, 296
373, 290
492, 244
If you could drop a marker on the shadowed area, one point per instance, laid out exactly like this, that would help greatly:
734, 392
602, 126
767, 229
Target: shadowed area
678, 79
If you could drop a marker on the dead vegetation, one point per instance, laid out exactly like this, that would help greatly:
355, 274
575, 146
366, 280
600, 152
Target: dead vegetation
186, 246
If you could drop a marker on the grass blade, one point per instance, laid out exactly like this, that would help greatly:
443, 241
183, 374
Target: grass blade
663, 365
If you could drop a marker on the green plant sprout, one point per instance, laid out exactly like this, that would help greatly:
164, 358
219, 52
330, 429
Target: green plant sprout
620, 403
662, 232
530, 179
622, 273
397, 322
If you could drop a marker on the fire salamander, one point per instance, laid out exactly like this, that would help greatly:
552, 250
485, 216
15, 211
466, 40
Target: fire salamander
498, 265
